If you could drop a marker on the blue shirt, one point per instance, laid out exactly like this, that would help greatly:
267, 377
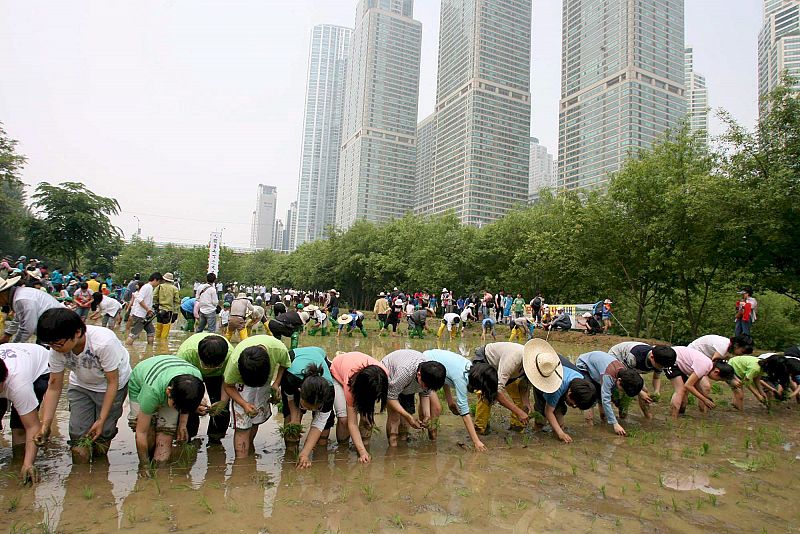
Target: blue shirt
187, 304
56, 277
305, 356
569, 375
602, 368
457, 368
488, 322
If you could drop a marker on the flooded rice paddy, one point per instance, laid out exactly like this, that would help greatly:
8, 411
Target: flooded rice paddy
726, 472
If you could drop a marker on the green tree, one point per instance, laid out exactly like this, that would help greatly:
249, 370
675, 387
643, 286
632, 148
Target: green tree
73, 220
13, 213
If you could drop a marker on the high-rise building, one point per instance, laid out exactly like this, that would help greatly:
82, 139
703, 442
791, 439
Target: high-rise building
543, 172
778, 44
426, 142
263, 228
483, 109
277, 237
322, 133
378, 161
622, 83
696, 96
291, 223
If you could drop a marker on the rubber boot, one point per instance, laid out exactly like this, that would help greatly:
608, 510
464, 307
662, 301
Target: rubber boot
441, 330
312, 331
324, 330
295, 340
363, 331
159, 327
165, 328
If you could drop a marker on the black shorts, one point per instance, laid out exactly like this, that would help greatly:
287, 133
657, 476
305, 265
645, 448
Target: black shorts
408, 402
279, 329
675, 372
39, 389
290, 385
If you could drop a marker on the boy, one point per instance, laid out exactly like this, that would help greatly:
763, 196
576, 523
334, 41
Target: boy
748, 371
247, 376
142, 311
163, 391
722, 348
224, 315
487, 326
557, 384
610, 376
209, 353
643, 359
24, 375
591, 326
410, 374
522, 327
416, 323
449, 321
691, 374
99, 366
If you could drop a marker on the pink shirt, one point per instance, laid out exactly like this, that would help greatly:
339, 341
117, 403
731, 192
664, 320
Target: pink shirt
344, 366
693, 361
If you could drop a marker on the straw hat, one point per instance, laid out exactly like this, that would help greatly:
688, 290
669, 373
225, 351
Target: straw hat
586, 315
607, 301
542, 365
241, 296
382, 294
9, 282
304, 317
311, 308
169, 277
345, 318
332, 291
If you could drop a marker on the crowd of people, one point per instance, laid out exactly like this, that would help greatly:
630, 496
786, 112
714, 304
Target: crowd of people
238, 387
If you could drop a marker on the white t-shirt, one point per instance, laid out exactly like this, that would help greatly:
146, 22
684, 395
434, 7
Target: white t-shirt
409, 308
449, 318
103, 353
145, 294
708, 345
25, 363
109, 306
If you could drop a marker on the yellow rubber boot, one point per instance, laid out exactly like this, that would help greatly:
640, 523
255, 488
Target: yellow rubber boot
228, 333
483, 411
516, 396
243, 334
165, 328
159, 327
441, 330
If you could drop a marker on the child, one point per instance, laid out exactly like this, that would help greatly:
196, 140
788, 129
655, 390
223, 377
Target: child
591, 326
610, 376
557, 384
450, 321
106, 307
247, 375
494, 376
691, 374
359, 381
209, 353
224, 315
307, 385
410, 374
487, 326
722, 348
643, 359
748, 371
99, 366
24, 376
522, 327
163, 391
456, 372
606, 315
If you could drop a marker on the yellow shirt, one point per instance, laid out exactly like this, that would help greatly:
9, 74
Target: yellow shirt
94, 285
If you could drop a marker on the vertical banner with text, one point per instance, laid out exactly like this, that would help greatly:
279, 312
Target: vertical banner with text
213, 252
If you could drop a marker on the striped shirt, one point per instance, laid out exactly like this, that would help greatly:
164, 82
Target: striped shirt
403, 366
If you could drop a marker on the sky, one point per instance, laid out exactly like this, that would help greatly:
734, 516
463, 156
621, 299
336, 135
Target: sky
180, 108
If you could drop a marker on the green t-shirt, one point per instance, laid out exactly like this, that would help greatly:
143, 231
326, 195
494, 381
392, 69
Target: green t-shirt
746, 367
188, 351
519, 305
308, 355
150, 378
278, 357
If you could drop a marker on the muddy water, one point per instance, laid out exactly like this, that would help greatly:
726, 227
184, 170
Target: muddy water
725, 472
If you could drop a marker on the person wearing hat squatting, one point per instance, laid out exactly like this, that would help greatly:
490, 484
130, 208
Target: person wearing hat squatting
258, 317
241, 310
495, 375
644, 359
416, 323
557, 384
320, 319
606, 315
356, 321
612, 378
166, 303
522, 327
381, 311
289, 323
591, 326
450, 321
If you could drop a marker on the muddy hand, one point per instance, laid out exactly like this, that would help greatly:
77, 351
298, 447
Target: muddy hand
303, 462
29, 475
42, 437
96, 430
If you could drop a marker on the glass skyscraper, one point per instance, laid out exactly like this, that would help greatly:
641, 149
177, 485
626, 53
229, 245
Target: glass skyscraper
543, 173
322, 134
778, 44
377, 164
622, 83
696, 96
483, 110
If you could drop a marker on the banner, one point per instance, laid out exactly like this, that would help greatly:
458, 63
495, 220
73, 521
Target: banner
213, 252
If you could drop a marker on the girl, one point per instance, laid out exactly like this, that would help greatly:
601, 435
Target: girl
107, 308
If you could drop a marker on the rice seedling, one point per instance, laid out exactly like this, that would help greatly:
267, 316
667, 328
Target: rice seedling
593, 465
88, 493
509, 440
369, 492
291, 431
187, 452
660, 481
13, 503
638, 487
704, 449
463, 492
574, 469
674, 505
687, 452
603, 490
203, 502
520, 504
86, 443
712, 499
397, 521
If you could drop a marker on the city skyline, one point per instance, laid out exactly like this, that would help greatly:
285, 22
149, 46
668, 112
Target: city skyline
61, 100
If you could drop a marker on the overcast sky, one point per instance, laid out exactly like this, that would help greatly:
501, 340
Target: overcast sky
179, 108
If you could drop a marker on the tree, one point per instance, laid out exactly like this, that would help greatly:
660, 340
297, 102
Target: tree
73, 220
13, 212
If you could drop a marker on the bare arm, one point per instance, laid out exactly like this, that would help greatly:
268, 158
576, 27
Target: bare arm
550, 415
49, 404
312, 438
143, 421
355, 435
690, 385
412, 421
234, 395
30, 421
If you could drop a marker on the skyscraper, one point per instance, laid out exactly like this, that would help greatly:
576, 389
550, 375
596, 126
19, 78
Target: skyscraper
426, 140
543, 173
277, 236
778, 44
622, 76
696, 96
483, 109
377, 165
291, 223
322, 133
263, 228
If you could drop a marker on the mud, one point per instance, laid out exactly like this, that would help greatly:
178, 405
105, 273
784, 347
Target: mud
727, 471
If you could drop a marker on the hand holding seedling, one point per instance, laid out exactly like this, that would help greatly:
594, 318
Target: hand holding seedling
203, 409
218, 408
364, 458
29, 475
96, 430
566, 438
250, 409
303, 461
413, 422
182, 435
42, 436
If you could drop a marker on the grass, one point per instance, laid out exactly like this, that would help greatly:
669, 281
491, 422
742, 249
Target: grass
88, 493
397, 521
520, 504
187, 452
13, 503
291, 431
369, 492
203, 502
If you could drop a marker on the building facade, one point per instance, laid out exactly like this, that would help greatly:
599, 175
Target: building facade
778, 44
278, 236
262, 233
543, 172
426, 143
291, 223
480, 155
322, 134
377, 166
696, 97
622, 83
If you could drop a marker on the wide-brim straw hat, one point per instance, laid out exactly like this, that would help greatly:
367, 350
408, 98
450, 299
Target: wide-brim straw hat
608, 301
311, 308
345, 319
9, 282
542, 365
304, 317
586, 315
241, 296
169, 277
